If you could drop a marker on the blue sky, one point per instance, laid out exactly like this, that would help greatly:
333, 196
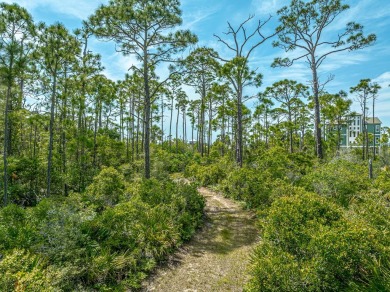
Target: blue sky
209, 17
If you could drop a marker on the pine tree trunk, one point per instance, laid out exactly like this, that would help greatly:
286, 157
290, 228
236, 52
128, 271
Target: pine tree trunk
51, 134
239, 140
147, 113
317, 119
170, 126
6, 141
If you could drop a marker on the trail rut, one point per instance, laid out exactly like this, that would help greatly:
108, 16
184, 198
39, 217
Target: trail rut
217, 257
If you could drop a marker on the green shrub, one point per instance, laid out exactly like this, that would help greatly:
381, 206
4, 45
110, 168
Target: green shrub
63, 244
157, 219
22, 271
382, 181
28, 179
310, 244
273, 269
283, 165
373, 207
206, 174
106, 189
248, 185
189, 206
291, 221
15, 230
339, 180
168, 162
61, 236
257, 188
184, 198
56, 247
272, 174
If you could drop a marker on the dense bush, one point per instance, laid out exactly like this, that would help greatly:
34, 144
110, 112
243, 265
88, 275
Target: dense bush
310, 244
166, 162
27, 180
382, 181
249, 185
207, 174
24, 271
273, 174
109, 238
340, 180
282, 164
106, 189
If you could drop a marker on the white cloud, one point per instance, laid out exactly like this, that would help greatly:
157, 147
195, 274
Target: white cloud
341, 60
383, 80
193, 18
364, 11
382, 106
80, 9
118, 65
267, 7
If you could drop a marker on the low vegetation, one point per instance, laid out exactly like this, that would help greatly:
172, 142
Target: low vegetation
323, 224
100, 176
110, 236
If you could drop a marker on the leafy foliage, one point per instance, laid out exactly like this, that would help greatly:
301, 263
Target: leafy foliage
309, 244
339, 180
207, 174
110, 237
76, 213
106, 189
272, 175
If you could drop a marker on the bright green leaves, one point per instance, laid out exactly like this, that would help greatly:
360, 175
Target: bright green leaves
310, 244
238, 72
57, 48
200, 69
16, 33
106, 189
138, 26
366, 89
144, 28
63, 244
291, 221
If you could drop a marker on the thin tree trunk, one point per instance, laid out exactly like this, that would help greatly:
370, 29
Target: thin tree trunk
95, 136
170, 126
6, 138
210, 127
239, 140
290, 130
364, 129
138, 133
202, 119
146, 113
317, 119
184, 124
63, 138
51, 133
162, 121
192, 136
132, 111
177, 128
373, 124
223, 129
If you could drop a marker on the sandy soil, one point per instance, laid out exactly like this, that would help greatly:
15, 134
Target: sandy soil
218, 255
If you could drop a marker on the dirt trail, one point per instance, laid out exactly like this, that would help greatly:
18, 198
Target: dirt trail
217, 257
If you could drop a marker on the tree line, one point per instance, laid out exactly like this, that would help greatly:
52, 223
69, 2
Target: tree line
64, 119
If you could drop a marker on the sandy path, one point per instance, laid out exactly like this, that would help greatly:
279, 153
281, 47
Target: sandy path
217, 257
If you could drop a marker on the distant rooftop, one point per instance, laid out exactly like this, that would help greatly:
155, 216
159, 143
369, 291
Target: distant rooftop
373, 121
